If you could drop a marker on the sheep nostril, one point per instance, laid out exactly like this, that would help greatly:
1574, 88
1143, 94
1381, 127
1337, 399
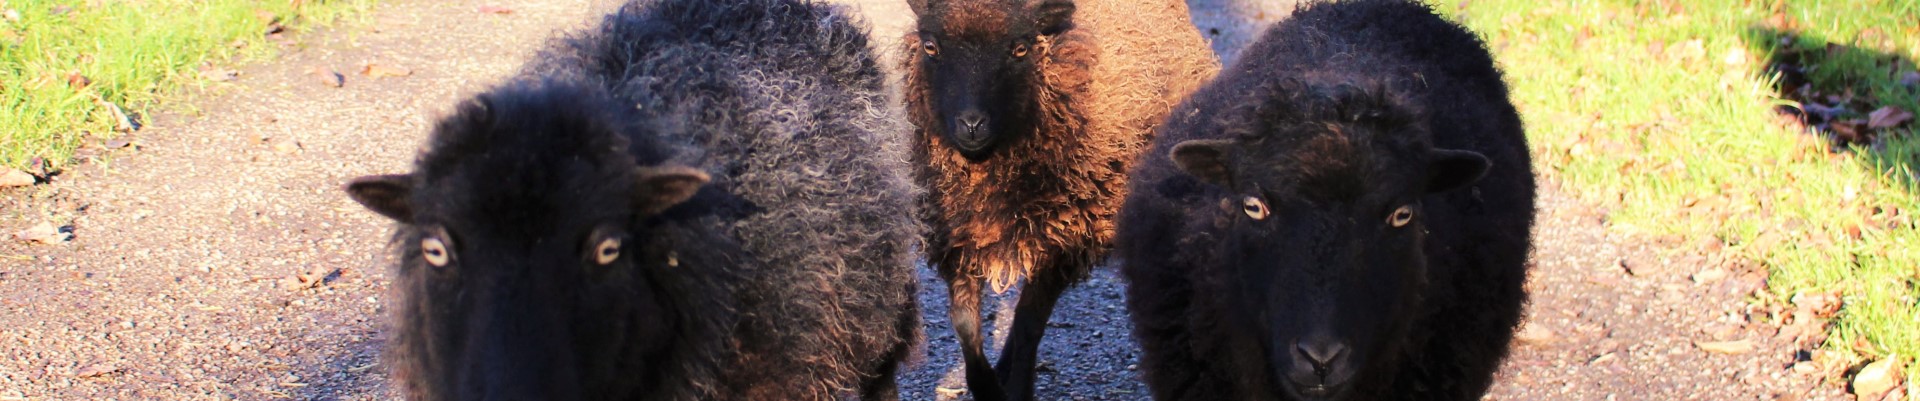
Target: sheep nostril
1324, 356
973, 121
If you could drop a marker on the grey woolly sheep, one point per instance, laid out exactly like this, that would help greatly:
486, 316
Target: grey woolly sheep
697, 200
1029, 113
1344, 214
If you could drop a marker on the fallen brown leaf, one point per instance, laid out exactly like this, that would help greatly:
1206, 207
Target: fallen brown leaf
15, 178
44, 233
1534, 334
77, 81
382, 71
1725, 347
1709, 276
1888, 117
219, 75
329, 77
1820, 305
95, 370
286, 147
1877, 378
496, 10
313, 277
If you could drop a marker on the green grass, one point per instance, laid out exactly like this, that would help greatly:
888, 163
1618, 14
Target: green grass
1662, 111
137, 53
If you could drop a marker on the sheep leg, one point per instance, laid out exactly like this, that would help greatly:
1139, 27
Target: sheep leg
883, 386
1017, 359
964, 292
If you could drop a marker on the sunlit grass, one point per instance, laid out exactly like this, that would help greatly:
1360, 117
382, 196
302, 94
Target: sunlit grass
1663, 111
135, 53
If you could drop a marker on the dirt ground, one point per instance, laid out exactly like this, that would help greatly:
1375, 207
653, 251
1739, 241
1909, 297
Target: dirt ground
216, 258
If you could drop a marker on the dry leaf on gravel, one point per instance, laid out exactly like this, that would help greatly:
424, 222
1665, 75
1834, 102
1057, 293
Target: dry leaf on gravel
1888, 117
329, 77
44, 233
10, 178
496, 10
382, 71
1709, 276
219, 75
1534, 334
312, 278
1725, 347
1877, 378
95, 370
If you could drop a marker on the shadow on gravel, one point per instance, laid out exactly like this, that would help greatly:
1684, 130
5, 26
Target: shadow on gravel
1861, 101
356, 374
1088, 353
1230, 25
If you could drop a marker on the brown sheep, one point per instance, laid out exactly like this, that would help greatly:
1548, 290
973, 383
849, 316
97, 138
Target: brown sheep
1029, 114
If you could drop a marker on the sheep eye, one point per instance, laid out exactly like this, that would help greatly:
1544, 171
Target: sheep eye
1255, 208
607, 252
929, 47
1401, 216
1020, 50
435, 251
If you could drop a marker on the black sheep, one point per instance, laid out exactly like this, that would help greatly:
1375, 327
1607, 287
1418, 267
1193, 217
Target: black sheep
698, 200
1344, 214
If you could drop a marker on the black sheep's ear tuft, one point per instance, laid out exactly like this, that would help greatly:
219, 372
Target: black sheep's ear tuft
664, 186
1452, 169
1205, 159
919, 7
389, 195
1053, 16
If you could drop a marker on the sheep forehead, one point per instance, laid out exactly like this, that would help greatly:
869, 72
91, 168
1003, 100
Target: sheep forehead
987, 19
1328, 166
523, 192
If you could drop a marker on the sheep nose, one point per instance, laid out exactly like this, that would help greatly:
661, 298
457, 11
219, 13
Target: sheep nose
973, 121
1324, 356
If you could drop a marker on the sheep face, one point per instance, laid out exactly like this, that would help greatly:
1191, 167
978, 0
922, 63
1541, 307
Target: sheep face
1320, 233
524, 274
980, 59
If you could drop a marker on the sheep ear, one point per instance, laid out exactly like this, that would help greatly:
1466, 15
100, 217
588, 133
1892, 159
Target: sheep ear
389, 195
664, 186
1053, 16
1205, 159
919, 7
1451, 169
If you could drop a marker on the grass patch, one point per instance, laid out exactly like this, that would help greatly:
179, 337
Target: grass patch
1664, 112
65, 65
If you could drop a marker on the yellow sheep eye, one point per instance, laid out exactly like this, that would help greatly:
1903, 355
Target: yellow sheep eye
929, 47
1401, 216
1255, 208
434, 250
607, 252
1020, 50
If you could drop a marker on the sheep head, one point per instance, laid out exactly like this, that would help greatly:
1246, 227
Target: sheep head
1321, 230
981, 62
528, 269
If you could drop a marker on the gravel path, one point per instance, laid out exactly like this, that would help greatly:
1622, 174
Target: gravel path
184, 280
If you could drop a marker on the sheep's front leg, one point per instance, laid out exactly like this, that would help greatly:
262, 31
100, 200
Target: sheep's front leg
1017, 359
964, 293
